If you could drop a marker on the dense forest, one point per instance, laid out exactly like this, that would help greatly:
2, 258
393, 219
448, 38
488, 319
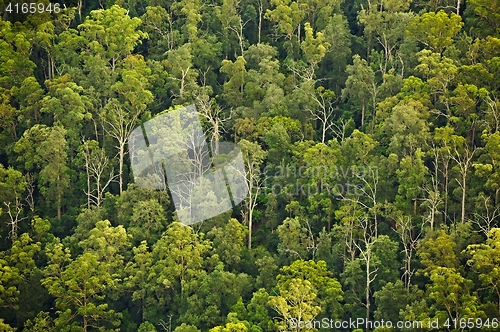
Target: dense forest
370, 134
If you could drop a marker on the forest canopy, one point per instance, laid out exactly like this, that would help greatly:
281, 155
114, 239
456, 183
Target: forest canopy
370, 135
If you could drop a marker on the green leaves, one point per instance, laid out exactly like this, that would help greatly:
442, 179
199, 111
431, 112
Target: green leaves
435, 30
66, 103
282, 77
15, 64
287, 15
82, 284
112, 33
229, 242
12, 184
16, 265
233, 88
314, 48
489, 15
46, 147
360, 85
451, 295
328, 289
179, 256
485, 261
295, 303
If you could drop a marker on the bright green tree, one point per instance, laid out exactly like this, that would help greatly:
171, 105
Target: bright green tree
435, 30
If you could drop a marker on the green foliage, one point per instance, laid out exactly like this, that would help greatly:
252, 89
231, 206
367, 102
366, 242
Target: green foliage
81, 285
229, 242
484, 260
369, 132
435, 30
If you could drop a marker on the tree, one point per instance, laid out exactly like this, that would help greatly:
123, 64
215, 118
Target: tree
230, 17
295, 239
67, 105
462, 154
314, 48
233, 88
451, 295
408, 128
53, 153
435, 30
12, 185
489, 168
191, 10
263, 88
178, 257
411, 176
155, 22
42, 322
437, 249
230, 327
210, 298
392, 299
258, 312
147, 221
16, 266
364, 178
328, 289
136, 279
81, 285
405, 228
182, 75
96, 164
209, 110
47, 148
367, 258
360, 85
120, 115
320, 161
324, 112
487, 10
287, 15
440, 72
385, 22
112, 33
484, 260
253, 156
229, 242
295, 303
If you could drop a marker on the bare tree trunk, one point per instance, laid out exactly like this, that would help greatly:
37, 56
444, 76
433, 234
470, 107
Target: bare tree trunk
463, 197
368, 241
30, 187
261, 11
59, 198
122, 157
88, 182
367, 289
250, 229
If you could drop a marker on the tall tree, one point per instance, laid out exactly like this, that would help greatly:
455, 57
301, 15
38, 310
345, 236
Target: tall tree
253, 156
484, 260
462, 154
360, 88
81, 285
121, 114
435, 30
47, 148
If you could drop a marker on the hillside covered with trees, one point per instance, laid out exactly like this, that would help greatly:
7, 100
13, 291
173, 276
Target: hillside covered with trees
370, 133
